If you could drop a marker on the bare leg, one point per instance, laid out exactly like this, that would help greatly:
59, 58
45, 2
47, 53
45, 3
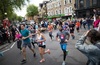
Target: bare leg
33, 51
24, 53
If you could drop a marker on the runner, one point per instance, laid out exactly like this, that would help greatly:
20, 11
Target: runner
65, 27
26, 42
72, 26
33, 38
77, 26
63, 38
41, 42
50, 29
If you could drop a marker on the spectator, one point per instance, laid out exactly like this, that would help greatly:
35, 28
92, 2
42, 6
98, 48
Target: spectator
88, 23
96, 23
92, 51
13, 32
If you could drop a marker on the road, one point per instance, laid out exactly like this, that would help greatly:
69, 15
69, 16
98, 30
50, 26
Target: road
75, 57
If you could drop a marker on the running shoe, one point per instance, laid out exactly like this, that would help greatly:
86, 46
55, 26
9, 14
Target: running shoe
63, 63
23, 61
43, 60
34, 54
67, 52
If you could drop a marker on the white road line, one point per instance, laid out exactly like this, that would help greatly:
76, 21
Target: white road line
5, 50
13, 45
9, 48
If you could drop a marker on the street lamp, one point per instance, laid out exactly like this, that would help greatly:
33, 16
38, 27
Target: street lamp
5, 13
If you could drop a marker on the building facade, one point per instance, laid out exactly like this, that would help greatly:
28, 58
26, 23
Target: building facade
43, 9
85, 8
60, 8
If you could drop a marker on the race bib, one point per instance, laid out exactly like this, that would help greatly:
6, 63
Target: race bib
62, 36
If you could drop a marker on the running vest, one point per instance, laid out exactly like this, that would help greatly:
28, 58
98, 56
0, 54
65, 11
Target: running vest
39, 37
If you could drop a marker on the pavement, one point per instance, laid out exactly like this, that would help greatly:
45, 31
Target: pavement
12, 55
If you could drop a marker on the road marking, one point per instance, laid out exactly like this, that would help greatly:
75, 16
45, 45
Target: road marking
9, 48
12, 45
5, 50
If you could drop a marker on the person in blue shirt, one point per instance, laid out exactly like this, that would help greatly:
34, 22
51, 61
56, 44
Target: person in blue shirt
26, 42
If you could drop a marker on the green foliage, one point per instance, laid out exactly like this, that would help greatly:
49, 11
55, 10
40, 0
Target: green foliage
13, 16
32, 10
8, 6
19, 18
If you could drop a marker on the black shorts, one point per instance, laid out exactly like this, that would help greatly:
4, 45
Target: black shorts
50, 34
77, 28
72, 31
42, 46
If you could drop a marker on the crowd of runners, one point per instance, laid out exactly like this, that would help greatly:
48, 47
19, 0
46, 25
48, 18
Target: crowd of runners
33, 34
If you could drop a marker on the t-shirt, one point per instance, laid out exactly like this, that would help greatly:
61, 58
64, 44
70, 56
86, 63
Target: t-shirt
50, 27
62, 36
77, 24
18, 36
25, 33
71, 26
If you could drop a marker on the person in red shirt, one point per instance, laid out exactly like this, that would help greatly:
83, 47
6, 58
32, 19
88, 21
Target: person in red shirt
50, 29
77, 26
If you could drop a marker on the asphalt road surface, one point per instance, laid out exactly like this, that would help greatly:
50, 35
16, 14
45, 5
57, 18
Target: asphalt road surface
12, 55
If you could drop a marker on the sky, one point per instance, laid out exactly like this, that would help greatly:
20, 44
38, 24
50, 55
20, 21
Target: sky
23, 11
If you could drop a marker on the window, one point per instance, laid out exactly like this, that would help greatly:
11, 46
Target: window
65, 2
66, 11
81, 3
88, 3
56, 12
70, 1
70, 9
59, 4
49, 14
60, 11
94, 2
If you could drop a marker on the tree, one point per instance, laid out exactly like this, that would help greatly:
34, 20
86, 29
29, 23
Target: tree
32, 10
13, 17
19, 18
8, 6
